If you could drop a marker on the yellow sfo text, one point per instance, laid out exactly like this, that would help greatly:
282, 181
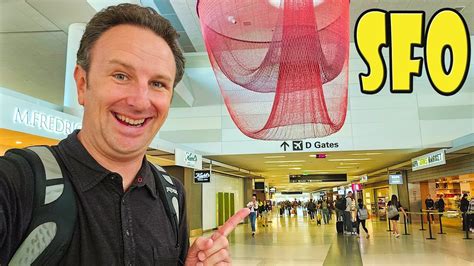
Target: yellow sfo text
402, 31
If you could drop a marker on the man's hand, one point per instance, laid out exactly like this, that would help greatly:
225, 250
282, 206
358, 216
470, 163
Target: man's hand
215, 249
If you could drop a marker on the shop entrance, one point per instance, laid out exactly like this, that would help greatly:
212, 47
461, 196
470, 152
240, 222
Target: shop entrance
381, 199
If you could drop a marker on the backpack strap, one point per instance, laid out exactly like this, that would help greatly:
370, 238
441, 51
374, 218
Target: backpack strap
169, 196
54, 210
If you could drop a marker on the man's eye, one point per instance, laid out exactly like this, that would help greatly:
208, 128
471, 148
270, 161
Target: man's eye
156, 84
120, 76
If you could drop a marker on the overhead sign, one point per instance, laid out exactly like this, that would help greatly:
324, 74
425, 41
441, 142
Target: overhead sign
429, 160
300, 145
356, 187
44, 121
318, 178
188, 159
395, 178
272, 190
203, 176
364, 178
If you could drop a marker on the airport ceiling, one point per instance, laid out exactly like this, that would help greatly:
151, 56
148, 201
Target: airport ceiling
276, 168
33, 36
33, 40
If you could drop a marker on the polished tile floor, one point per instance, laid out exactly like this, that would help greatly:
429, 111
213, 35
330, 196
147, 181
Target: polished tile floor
296, 241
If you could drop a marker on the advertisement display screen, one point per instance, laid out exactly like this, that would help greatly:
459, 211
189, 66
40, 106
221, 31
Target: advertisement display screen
259, 185
318, 178
395, 179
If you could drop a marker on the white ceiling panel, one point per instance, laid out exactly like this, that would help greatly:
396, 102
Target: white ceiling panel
19, 16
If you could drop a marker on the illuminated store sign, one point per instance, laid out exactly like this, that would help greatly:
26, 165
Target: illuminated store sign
429, 160
44, 121
187, 159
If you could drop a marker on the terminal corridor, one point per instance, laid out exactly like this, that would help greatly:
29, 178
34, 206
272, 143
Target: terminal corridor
297, 241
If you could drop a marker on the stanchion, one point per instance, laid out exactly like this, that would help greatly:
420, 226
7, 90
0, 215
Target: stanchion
389, 227
429, 226
465, 220
440, 226
421, 217
406, 220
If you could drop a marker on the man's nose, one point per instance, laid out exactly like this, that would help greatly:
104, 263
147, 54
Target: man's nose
139, 97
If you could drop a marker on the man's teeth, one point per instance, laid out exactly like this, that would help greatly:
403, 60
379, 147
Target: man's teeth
129, 120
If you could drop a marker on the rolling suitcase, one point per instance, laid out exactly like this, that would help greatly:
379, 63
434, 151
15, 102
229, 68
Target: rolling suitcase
340, 227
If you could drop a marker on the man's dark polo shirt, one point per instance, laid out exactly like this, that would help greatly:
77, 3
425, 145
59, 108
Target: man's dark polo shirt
113, 227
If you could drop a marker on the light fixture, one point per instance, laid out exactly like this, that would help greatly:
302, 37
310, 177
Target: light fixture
18, 142
367, 153
349, 159
296, 161
274, 156
295, 168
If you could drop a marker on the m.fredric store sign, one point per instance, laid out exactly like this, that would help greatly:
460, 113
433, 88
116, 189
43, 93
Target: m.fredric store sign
429, 160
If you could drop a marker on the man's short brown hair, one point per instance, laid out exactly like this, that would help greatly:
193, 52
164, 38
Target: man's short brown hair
129, 14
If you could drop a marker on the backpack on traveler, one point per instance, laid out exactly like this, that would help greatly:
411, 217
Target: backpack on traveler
363, 214
55, 212
341, 204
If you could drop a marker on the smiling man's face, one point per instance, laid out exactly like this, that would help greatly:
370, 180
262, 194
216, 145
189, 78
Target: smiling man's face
127, 91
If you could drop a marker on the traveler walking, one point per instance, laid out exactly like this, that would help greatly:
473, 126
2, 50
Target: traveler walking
325, 208
471, 215
348, 214
362, 215
253, 206
393, 215
311, 209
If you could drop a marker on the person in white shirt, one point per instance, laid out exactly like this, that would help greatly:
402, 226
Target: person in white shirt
253, 206
348, 214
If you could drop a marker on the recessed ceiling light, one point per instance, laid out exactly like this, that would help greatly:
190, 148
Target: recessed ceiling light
295, 161
367, 153
274, 157
295, 168
345, 167
18, 142
349, 159
349, 163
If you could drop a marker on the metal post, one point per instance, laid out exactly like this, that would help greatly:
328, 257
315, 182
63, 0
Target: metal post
429, 225
440, 226
466, 222
406, 220
421, 217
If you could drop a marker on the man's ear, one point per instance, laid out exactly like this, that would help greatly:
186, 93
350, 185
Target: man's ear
80, 75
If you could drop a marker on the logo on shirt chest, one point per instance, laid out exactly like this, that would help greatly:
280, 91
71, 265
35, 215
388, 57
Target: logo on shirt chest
171, 190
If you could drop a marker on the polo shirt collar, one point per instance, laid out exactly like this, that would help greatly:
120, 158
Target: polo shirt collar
88, 172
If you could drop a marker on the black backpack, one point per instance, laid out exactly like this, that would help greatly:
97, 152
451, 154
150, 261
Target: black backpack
341, 204
54, 207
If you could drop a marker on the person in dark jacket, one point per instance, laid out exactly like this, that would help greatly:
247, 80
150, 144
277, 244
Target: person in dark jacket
128, 64
430, 205
464, 207
440, 205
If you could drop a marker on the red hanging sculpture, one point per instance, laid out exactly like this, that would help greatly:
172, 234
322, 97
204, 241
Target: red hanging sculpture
281, 65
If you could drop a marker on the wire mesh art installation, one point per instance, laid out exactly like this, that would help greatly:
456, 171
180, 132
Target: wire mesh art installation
281, 65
